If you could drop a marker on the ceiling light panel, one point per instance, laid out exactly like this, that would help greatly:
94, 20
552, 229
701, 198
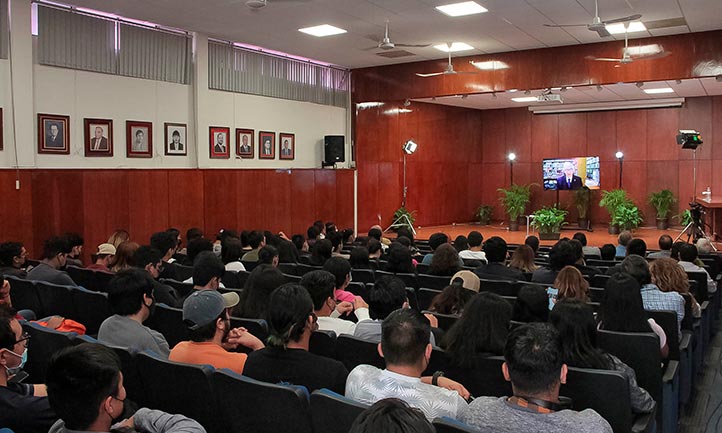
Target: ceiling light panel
490, 65
633, 27
322, 30
455, 46
462, 9
525, 99
659, 90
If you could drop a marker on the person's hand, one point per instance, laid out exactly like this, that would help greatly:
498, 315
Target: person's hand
344, 307
447, 383
241, 336
359, 303
125, 425
433, 321
55, 321
283, 236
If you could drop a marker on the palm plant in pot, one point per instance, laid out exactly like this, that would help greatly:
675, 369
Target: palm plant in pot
514, 199
627, 216
408, 221
483, 214
549, 221
612, 201
662, 202
582, 199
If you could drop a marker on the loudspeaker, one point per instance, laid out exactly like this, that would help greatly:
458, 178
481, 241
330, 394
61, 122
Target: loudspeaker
333, 146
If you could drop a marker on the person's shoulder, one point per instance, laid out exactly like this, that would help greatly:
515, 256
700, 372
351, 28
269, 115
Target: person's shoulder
587, 420
364, 370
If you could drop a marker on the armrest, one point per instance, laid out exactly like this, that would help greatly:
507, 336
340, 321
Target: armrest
685, 342
670, 372
644, 422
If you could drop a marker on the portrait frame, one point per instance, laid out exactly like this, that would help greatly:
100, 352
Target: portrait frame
292, 146
2, 130
45, 123
241, 132
169, 129
131, 129
213, 131
89, 126
262, 136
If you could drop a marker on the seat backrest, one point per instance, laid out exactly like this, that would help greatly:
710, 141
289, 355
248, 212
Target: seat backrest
184, 272
248, 405
131, 375
102, 280
242, 277
333, 413
292, 278
250, 266
169, 322
183, 289
688, 321
484, 379
667, 320
288, 268
24, 295
90, 307
179, 388
500, 287
596, 294
424, 297
303, 269
230, 280
422, 268
353, 351
411, 296
598, 280
446, 321
257, 327
701, 293
432, 281
363, 275
359, 289
323, 343
55, 299
44, 342
81, 276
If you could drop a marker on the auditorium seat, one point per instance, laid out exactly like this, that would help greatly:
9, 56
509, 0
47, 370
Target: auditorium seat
55, 299
596, 294
484, 379
432, 281
333, 413
363, 275
82, 277
250, 266
446, 321
424, 297
24, 295
242, 277
131, 375
323, 343
184, 272
500, 287
599, 280
701, 292
450, 425
353, 351
169, 322
422, 268
230, 280
680, 349
183, 289
295, 279
288, 268
409, 279
90, 308
44, 342
411, 296
257, 327
248, 405
303, 269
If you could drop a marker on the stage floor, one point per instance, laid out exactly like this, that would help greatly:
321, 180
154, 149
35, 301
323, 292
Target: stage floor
597, 237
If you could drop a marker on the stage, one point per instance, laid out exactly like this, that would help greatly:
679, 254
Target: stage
598, 237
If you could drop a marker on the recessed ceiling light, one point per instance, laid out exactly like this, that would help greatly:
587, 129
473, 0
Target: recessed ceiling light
659, 90
525, 99
512, 90
322, 30
490, 65
455, 46
461, 9
634, 26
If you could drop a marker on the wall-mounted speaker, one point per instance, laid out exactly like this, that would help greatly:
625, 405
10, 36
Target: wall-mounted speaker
333, 149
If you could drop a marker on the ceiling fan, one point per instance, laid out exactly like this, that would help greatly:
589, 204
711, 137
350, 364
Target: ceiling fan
630, 54
597, 24
449, 68
386, 44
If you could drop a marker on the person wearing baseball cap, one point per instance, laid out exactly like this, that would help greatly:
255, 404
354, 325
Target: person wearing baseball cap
462, 287
103, 257
206, 314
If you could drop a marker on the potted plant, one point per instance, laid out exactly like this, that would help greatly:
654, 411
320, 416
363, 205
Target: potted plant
514, 200
662, 202
400, 212
627, 216
549, 221
582, 199
612, 201
483, 213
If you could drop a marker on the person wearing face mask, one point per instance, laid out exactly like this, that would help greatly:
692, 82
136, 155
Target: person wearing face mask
321, 285
130, 295
23, 407
291, 321
206, 314
85, 388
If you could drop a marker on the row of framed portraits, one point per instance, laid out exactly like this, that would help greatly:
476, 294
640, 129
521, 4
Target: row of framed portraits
54, 138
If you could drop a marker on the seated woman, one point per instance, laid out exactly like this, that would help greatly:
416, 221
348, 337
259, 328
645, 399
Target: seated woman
453, 299
578, 333
445, 261
359, 258
669, 276
320, 252
623, 311
399, 260
570, 284
523, 259
263, 280
532, 305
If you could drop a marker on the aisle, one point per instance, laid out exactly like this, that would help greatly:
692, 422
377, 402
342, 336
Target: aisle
705, 414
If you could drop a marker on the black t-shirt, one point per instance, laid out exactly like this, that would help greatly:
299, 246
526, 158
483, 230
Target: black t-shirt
297, 367
497, 271
21, 412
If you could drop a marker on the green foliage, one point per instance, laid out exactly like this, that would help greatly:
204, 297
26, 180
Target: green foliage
409, 214
514, 199
685, 217
614, 200
483, 213
662, 202
627, 216
582, 198
549, 219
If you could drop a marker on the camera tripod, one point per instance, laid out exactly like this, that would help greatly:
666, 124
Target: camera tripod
695, 230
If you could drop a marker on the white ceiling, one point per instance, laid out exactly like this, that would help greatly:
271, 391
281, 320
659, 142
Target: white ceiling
585, 94
508, 26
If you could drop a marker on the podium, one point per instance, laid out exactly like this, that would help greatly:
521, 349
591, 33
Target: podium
713, 214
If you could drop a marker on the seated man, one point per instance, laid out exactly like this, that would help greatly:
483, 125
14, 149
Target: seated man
623, 240
665, 248
208, 271
12, 259
286, 358
474, 252
533, 364
391, 415
103, 258
130, 295
435, 241
636, 247
85, 388
496, 249
149, 260
23, 407
205, 312
562, 254
256, 240
166, 243
687, 255
55, 253
592, 252
406, 350
321, 286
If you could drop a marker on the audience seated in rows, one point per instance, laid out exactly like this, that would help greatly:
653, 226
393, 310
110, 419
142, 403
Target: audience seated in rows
149, 259
406, 350
263, 280
665, 248
652, 298
103, 257
453, 299
392, 415
435, 241
166, 243
13, 257
535, 365
474, 252
622, 242
321, 287
495, 249
522, 259
592, 252
445, 261
687, 256
669, 276
55, 253
286, 359
85, 389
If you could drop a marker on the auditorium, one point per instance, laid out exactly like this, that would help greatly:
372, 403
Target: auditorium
369, 215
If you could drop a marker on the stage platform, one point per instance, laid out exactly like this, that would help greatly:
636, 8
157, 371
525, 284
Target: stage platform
597, 237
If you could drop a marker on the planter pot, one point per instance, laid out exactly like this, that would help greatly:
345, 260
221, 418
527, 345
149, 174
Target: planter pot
662, 224
549, 236
484, 222
513, 226
583, 223
613, 229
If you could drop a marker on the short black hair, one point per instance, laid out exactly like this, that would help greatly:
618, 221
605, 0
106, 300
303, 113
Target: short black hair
608, 251
298, 241
375, 233
637, 246
638, 268
386, 295
688, 253
347, 234
74, 239
562, 254
475, 239
126, 290
289, 307
533, 355
391, 415
495, 249
313, 232
198, 245
231, 250
339, 267
266, 254
461, 243
359, 258
163, 241
146, 255
532, 305
193, 233
405, 334
320, 285
374, 246
255, 238
7, 335
207, 266
336, 239
320, 252
665, 242
79, 378
8, 251
581, 237
533, 242
437, 239
54, 246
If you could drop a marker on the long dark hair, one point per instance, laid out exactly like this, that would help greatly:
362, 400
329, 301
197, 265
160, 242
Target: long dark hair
574, 321
254, 299
445, 261
482, 329
399, 259
452, 299
622, 309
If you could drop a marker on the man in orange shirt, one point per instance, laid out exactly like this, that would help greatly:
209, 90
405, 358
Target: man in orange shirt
206, 313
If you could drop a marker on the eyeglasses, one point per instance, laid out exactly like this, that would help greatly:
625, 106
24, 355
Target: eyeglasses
23, 339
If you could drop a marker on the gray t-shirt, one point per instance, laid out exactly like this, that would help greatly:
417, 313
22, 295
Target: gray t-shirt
45, 272
496, 415
123, 331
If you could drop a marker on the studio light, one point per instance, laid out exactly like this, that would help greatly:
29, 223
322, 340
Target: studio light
512, 156
410, 147
619, 155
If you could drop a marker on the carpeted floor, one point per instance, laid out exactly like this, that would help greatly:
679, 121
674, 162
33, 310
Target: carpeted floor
704, 415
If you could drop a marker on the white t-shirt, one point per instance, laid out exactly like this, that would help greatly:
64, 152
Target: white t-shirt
341, 326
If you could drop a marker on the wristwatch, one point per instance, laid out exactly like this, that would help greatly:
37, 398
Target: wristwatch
435, 378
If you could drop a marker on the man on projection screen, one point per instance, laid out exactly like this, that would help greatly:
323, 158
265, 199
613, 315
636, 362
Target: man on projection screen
569, 180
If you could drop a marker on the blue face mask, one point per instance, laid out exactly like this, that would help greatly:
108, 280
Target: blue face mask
23, 360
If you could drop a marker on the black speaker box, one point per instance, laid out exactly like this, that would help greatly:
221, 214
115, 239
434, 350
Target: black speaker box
333, 146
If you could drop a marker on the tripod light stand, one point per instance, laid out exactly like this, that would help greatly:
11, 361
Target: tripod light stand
620, 158
403, 221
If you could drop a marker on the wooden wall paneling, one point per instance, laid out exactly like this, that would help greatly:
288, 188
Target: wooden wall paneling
186, 200
325, 202
492, 179
57, 197
572, 135
303, 212
389, 190
474, 193
602, 135
344, 198
494, 136
545, 136
450, 192
220, 206
686, 179
149, 204
16, 212
661, 134
715, 141
632, 134
424, 184
518, 133
662, 175
634, 181
254, 200
716, 179
106, 206
697, 114
275, 195
609, 179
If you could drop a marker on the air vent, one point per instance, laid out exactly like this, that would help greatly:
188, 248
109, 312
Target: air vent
395, 54
663, 24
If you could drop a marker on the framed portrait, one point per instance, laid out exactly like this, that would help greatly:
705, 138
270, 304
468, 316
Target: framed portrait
218, 142
288, 146
2, 132
266, 145
53, 134
244, 143
139, 139
98, 137
176, 139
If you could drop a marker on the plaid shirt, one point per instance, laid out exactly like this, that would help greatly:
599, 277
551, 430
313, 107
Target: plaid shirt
655, 299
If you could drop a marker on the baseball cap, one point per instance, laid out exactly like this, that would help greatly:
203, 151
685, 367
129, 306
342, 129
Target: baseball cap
469, 280
106, 249
204, 306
